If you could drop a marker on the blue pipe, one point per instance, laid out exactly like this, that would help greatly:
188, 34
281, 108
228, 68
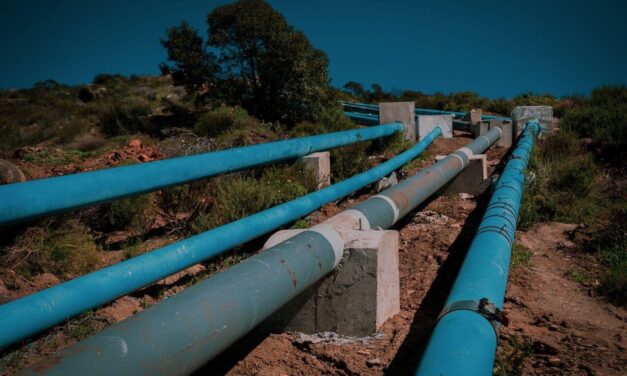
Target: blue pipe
23, 201
465, 337
24, 317
365, 118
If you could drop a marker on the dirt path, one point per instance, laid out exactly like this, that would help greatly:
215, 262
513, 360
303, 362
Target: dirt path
566, 330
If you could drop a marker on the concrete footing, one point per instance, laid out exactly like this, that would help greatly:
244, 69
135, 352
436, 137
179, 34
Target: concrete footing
427, 123
522, 114
400, 111
320, 165
472, 180
507, 134
354, 300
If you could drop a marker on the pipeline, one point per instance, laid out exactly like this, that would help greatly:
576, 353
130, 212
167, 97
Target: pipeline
465, 336
23, 201
58, 303
374, 109
180, 334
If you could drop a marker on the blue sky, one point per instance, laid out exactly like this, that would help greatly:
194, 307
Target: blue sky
496, 48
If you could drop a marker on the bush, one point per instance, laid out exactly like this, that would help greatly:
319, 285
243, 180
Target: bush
66, 251
563, 183
216, 122
123, 118
129, 212
241, 195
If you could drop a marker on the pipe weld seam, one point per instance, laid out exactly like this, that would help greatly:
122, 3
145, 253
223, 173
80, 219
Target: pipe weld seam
460, 159
392, 205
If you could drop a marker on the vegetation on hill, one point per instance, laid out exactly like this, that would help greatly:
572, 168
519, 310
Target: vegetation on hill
577, 175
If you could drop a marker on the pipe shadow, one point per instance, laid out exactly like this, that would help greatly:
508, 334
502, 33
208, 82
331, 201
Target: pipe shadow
410, 352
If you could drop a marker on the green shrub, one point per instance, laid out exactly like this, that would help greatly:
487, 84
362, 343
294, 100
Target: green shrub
614, 284
350, 160
129, 212
66, 251
240, 195
218, 121
123, 118
521, 256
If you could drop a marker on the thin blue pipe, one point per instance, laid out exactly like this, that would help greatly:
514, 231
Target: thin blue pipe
24, 317
35, 198
463, 341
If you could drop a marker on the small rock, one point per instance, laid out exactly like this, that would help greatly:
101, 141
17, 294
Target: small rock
466, 196
144, 158
373, 362
553, 327
135, 143
10, 173
555, 361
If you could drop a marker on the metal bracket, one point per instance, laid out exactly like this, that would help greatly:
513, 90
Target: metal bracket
484, 307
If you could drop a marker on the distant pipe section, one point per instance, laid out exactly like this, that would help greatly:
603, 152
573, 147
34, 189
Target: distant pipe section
29, 315
35, 198
374, 109
465, 336
183, 332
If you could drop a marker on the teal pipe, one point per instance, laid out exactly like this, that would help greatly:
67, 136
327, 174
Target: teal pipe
180, 334
35, 198
29, 315
465, 337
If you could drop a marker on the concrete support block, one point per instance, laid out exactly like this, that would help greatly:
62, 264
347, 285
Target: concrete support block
474, 116
400, 111
472, 180
480, 128
522, 114
358, 297
427, 123
507, 132
320, 165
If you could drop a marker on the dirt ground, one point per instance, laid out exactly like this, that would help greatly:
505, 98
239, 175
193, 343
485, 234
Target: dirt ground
557, 327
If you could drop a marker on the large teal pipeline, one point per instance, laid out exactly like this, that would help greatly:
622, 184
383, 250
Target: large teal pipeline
24, 317
180, 334
464, 339
22, 201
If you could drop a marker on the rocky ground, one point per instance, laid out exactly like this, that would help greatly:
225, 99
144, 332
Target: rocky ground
557, 326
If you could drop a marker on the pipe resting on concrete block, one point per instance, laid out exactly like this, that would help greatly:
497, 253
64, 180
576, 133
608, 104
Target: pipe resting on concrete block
180, 334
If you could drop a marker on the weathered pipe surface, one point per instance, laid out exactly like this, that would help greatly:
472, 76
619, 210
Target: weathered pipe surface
35, 198
384, 209
178, 335
464, 340
29, 315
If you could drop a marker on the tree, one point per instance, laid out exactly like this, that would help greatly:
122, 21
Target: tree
192, 66
282, 76
356, 89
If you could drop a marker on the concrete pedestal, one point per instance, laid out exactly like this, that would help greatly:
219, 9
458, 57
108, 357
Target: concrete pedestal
472, 180
320, 165
474, 116
507, 133
400, 111
354, 300
522, 114
480, 128
427, 123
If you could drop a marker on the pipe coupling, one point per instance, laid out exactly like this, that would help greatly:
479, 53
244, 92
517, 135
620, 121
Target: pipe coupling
484, 307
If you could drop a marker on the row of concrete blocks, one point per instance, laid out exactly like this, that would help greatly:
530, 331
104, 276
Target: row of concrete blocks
418, 127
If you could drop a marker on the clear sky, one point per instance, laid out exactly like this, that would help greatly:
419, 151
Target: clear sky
496, 48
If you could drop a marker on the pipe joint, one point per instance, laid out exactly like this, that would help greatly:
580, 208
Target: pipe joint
483, 307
